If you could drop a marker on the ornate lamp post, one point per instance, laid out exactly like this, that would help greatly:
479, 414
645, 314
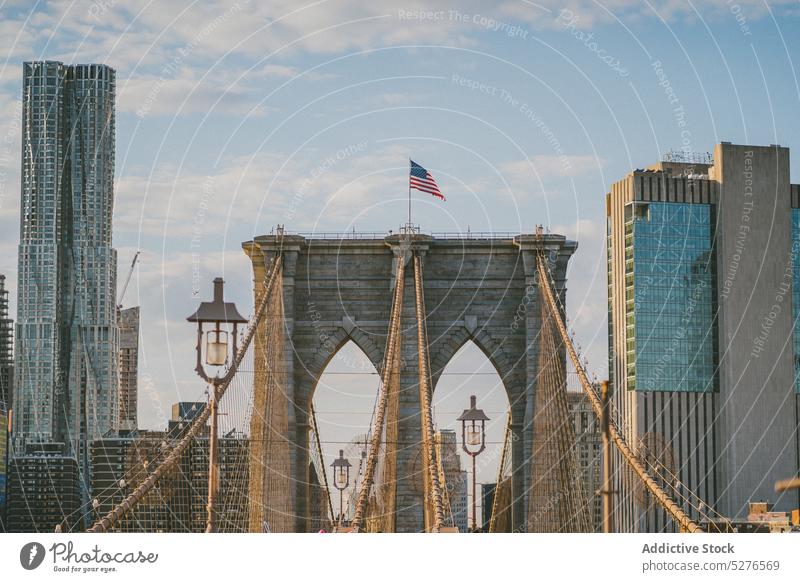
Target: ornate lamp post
224, 320
341, 478
473, 434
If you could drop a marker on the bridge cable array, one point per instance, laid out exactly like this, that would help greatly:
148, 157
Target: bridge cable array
319, 461
268, 473
637, 465
558, 500
503, 487
379, 424
666, 477
433, 489
375, 505
173, 456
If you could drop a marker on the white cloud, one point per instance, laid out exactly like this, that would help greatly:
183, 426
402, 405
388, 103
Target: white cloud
147, 96
549, 167
139, 38
590, 14
316, 189
139, 34
272, 70
397, 99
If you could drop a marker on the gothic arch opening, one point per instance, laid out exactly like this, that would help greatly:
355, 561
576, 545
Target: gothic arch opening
469, 372
343, 400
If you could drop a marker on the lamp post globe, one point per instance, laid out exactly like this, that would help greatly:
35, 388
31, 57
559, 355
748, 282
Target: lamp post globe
341, 478
473, 441
223, 319
221, 336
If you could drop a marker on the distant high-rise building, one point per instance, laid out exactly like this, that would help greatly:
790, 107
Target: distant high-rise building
182, 413
6, 392
44, 493
704, 354
455, 477
588, 455
487, 504
119, 464
6, 349
128, 367
179, 504
459, 500
3, 467
233, 463
67, 338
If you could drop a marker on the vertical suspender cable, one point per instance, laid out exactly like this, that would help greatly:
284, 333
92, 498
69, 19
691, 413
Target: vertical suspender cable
425, 401
495, 503
661, 496
315, 428
103, 524
380, 415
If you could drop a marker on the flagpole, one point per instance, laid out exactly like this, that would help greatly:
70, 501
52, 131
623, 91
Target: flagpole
409, 192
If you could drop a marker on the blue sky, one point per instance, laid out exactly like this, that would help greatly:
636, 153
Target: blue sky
233, 117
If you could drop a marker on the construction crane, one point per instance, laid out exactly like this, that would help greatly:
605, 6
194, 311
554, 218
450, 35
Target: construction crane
127, 280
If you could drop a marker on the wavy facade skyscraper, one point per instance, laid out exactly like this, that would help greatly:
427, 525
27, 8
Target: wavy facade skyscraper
67, 336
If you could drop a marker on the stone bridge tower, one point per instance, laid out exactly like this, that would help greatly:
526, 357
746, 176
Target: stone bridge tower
479, 289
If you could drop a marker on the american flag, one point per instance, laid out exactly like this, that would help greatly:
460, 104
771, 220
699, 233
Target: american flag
421, 179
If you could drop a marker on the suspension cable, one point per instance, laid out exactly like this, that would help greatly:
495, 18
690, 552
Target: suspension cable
380, 414
425, 400
617, 418
500, 471
198, 422
321, 458
619, 441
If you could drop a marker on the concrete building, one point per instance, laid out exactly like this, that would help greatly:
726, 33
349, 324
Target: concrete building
487, 504
455, 477
6, 392
6, 349
119, 463
67, 337
128, 368
3, 467
179, 505
233, 460
43, 482
460, 501
703, 289
588, 453
182, 413
760, 519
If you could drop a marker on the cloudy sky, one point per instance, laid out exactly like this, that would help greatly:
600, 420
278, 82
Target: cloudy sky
233, 117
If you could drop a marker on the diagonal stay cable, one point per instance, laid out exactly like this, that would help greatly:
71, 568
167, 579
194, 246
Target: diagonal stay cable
380, 415
661, 496
103, 524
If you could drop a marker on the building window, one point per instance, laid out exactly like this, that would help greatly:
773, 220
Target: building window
670, 274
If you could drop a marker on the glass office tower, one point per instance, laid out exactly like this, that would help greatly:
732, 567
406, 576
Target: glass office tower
703, 279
